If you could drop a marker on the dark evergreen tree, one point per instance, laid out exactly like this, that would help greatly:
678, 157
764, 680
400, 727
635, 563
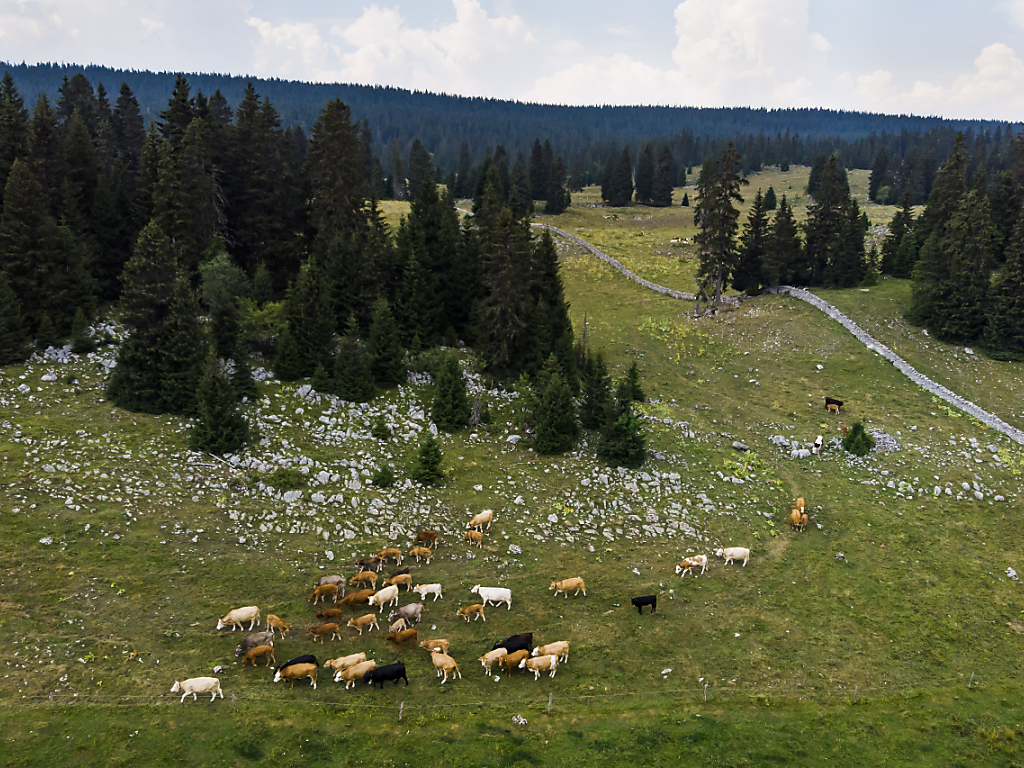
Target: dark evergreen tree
814, 178
242, 381
223, 286
554, 329
633, 388
597, 394
335, 172
429, 458
310, 326
858, 441
220, 427
450, 409
753, 249
150, 275
664, 179
519, 181
645, 176
46, 153
555, 414
81, 343
686, 200
783, 261
420, 166
1004, 330
835, 235
464, 174
968, 251
12, 332
183, 353
557, 198
902, 223
353, 374
622, 440
180, 112
1006, 199
620, 186
14, 127
716, 216
386, 354
380, 428
539, 172
770, 200
46, 334
879, 173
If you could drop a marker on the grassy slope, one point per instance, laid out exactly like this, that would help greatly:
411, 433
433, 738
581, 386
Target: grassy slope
782, 643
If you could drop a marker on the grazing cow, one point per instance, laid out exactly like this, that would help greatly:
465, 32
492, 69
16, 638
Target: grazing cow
565, 585
428, 589
399, 625
307, 658
559, 649
425, 552
400, 638
687, 564
356, 598
236, 618
540, 664
344, 662
276, 622
391, 552
370, 561
369, 621
294, 672
331, 613
515, 643
496, 595
322, 593
474, 537
195, 685
363, 577
476, 611
481, 519
381, 675
355, 672
337, 580
260, 651
832, 405
436, 645
734, 553
640, 602
799, 519
412, 613
256, 638
323, 630
489, 658
427, 538
444, 664
511, 661
845, 430
801, 504
401, 578
388, 595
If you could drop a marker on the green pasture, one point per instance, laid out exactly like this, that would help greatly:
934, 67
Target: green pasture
904, 650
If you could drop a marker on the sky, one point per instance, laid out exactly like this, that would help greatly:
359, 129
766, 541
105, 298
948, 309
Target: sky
937, 57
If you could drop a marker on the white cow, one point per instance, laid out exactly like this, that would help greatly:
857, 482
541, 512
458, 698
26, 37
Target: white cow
428, 589
196, 685
734, 553
496, 595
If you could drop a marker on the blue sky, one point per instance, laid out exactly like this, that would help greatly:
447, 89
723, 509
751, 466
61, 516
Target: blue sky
933, 58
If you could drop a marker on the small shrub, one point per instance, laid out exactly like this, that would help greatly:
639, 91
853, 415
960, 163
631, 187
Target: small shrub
858, 442
380, 430
285, 479
383, 477
428, 462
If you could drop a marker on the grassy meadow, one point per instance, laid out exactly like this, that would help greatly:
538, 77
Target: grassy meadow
888, 632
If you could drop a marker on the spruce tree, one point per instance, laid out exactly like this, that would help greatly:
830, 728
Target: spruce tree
420, 166
633, 387
664, 179
1004, 331
538, 172
429, 458
386, 354
450, 409
835, 238
969, 247
770, 200
783, 263
180, 112
597, 394
310, 326
555, 414
645, 176
242, 381
622, 440
620, 187
335, 172
14, 127
879, 172
753, 249
184, 353
220, 427
12, 333
685, 201
858, 441
223, 286
902, 223
716, 216
353, 375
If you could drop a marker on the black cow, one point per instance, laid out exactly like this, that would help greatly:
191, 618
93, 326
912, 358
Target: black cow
523, 642
307, 659
640, 602
381, 675
831, 401
399, 572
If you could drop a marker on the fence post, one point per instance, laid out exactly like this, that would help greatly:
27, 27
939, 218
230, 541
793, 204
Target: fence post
970, 683
51, 701
550, 697
232, 700
705, 693
400, 708
855, 693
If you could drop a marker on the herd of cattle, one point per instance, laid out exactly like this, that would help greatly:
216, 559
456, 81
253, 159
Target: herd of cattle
516, 652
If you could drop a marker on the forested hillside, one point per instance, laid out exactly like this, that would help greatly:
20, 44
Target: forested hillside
911, 147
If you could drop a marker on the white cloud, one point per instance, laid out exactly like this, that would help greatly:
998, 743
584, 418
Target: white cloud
292, 51
728, 52
875, 85
1015, 9
620, 30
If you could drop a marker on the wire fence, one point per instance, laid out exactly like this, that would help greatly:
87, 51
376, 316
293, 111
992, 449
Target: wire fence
341, 699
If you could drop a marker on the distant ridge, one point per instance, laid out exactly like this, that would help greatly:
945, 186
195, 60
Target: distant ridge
443, 121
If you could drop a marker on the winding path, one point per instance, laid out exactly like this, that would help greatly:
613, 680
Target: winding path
902, 365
